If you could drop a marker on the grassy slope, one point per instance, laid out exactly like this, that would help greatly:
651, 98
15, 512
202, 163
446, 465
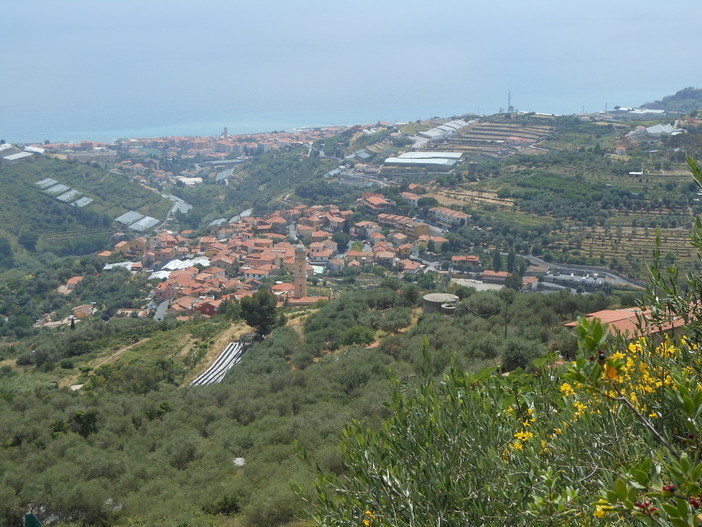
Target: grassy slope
191, 347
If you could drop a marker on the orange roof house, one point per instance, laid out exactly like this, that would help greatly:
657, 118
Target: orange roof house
410, 266
122, 247
465, 258
375, 202
209, 306
282, 288
304, 301
530, 283
405, 250
398, 238
494, 277
278, 224
73, 282
319, 236
631, 322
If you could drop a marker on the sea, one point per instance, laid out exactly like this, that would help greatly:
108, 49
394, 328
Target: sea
110, 124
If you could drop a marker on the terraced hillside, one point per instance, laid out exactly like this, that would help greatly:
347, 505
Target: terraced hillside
624, 249
578, 202
496, 139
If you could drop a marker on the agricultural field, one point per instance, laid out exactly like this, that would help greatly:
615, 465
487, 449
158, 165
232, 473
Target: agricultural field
582, 208
467, 196
496, 139
625, 249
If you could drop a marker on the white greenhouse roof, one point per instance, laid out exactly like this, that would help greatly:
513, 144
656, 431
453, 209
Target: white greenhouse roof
46, 183
160, 275
129, 217
20, 155
432, 154
59, 188
71, 195
419, 162
123, 265
144, 223
82, 202
174, 265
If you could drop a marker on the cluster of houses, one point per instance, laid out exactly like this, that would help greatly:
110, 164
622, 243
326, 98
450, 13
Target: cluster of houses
198, 273
212, 147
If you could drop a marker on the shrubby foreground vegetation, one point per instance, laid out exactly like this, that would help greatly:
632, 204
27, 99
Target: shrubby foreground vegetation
132, 448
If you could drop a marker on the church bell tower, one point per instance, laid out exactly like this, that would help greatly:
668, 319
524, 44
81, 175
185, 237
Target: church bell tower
300, 289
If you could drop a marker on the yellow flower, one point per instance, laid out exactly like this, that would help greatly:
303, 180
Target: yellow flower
517, 445
599, 512
524, 435
636, 347
580, 408
567, 389
666, 349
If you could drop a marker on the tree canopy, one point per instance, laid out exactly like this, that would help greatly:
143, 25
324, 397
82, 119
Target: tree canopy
259, 311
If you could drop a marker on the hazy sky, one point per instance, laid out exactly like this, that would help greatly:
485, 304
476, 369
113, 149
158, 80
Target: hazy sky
89, 66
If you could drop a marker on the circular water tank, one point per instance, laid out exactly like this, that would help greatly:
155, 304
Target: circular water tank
434, 302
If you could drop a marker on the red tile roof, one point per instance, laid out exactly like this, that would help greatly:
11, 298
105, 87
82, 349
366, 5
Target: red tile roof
630, 322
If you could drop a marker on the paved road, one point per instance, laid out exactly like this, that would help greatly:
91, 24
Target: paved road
419, 142
611, 277
430, 266
161, 310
